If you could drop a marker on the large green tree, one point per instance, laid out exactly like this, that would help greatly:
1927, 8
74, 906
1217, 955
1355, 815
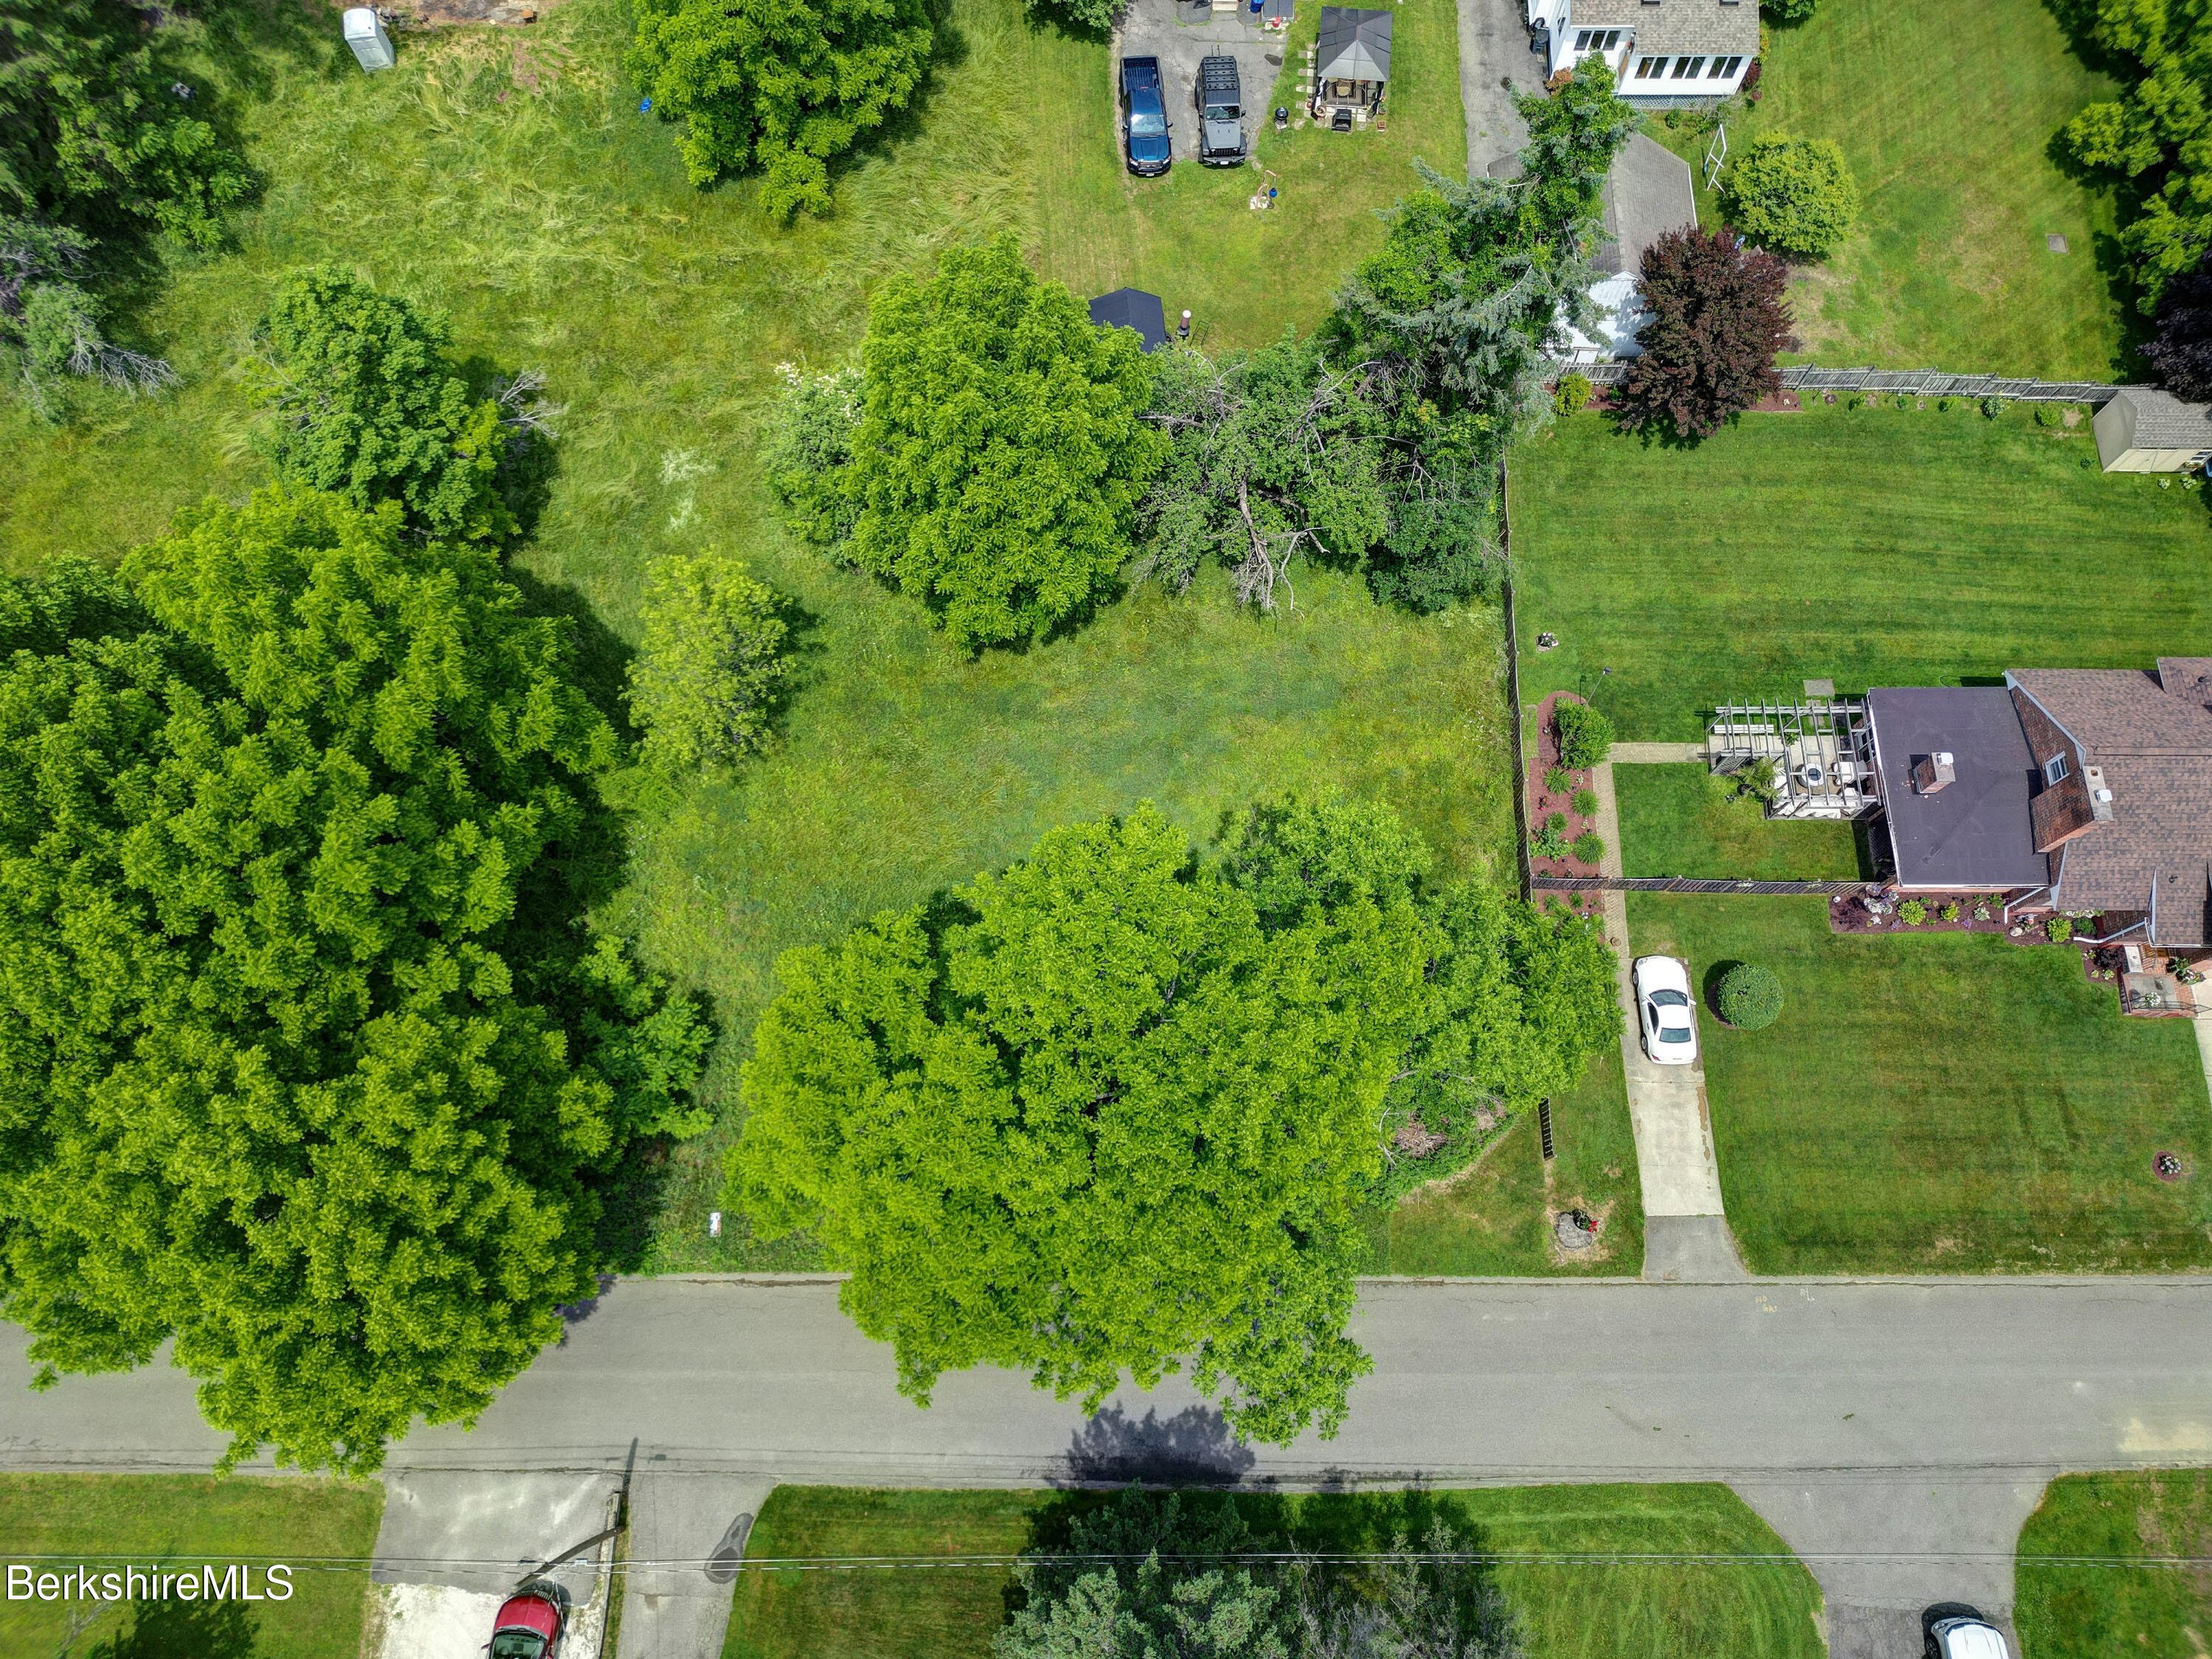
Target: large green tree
1101, 1120
307, 1061
1001, 449
369, 405
780, 86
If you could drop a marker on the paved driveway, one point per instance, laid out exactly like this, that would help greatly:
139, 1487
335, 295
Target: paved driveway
1493, 47
1179, 35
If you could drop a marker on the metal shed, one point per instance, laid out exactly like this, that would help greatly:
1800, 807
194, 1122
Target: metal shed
1132, 307
1353, 60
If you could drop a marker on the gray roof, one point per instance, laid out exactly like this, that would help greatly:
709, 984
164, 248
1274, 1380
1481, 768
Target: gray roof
1975, 833
1675, 28
1647, 194
1132, 307
1355, 45
2163, 421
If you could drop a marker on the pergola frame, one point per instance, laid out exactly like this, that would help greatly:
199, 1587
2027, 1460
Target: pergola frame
1831, 734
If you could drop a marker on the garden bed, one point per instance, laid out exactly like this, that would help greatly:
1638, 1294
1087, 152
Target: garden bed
1547, 802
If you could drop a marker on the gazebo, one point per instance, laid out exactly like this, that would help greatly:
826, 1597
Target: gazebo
1351, 63
1132, 307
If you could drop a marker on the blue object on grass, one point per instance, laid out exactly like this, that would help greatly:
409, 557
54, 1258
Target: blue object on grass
643, 105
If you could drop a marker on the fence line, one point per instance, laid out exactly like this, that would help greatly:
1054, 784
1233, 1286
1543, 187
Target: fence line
1915, 382
1522, 867
1683, 884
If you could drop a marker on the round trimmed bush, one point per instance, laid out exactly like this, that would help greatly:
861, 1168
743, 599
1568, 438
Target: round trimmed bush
1793, 195
1750, 997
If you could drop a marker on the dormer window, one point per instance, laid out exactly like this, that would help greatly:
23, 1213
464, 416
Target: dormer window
2054, 769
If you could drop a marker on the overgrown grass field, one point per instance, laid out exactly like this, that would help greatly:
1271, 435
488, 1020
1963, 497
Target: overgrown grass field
1875, 547
1946, 117
1680, 819
1949, 1102
2072, 1610
508, 175
104, 1522
1717, 1610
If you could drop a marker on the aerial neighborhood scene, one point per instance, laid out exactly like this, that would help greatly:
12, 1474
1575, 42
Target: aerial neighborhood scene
1140, 829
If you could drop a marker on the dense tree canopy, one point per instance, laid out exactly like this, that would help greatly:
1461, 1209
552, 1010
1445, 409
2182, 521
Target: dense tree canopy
2181, 349
1001, 451
369, 406
1796, 196
1715, 319
93, 134
307, 1062
2157, 135
1100, 1120
712, 658
780, 86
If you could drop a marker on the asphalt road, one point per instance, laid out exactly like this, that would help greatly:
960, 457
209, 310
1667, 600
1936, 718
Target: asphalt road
1895, 1432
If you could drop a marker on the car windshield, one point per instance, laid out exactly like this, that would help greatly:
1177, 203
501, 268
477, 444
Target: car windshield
1146, 124
1674, 1033
1670, 999
517, 1645
1223, 111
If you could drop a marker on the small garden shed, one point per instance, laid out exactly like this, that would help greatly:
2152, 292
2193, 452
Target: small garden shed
1351, 62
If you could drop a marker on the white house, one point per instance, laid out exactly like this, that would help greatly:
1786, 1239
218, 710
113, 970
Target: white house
1647, 194
1662, 51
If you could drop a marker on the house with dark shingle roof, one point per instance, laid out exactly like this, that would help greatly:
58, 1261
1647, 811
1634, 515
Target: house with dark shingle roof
2091, 789
1661, 52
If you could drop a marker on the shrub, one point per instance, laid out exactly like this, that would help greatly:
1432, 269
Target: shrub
1585, 735
1912, 913
1556, 823
1714, 320
2059, 929
1793, 195
1589, 847
1992, 407
1573, 394
1901, 401
2049, 415
806, 443
1855, 400
1558, 781
1982, 912
706, 674
1547, 843
782, 86
1586, 802
1787, 11
1750, 997
1945, 405
1949, 912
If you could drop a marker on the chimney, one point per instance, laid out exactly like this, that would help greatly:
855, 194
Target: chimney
1931, 773
2100, 795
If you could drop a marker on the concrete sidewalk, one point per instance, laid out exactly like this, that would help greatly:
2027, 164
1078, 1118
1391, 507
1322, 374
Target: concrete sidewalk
687, 1534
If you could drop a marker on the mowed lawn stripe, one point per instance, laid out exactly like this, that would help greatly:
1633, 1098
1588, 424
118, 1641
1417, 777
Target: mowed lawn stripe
1878, 547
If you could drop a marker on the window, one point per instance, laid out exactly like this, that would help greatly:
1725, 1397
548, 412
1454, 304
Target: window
1597, 40
1612, 39
1583, 40
1650, 68
1724, 69
1688, 69
2054, 768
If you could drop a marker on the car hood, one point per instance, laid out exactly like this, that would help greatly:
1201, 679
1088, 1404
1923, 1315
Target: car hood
1225, 134
1153, 147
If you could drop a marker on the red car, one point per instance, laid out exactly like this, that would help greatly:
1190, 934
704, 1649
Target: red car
528, 1626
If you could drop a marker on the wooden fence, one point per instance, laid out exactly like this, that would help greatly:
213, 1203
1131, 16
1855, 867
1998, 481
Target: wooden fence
1544, 883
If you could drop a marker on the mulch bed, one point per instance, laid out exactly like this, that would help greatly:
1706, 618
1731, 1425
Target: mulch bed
1542, 803
1851, 915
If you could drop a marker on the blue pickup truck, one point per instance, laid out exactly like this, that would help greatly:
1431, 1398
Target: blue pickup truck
1144, 130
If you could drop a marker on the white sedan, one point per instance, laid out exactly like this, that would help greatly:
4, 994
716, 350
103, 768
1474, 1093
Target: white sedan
1663, 1003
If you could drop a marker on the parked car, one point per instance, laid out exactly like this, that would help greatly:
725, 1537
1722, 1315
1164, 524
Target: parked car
1664, 1008
1145, 129
1955, 1630
1220, 113
528, 1625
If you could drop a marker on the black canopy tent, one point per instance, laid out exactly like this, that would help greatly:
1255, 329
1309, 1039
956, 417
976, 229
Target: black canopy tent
1132, 307
1354, 59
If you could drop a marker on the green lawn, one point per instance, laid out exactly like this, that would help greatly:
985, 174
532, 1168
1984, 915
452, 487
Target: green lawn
2076, 1610
1192, 237
1946, 117
1756, 1610
1949, 1102
100, 1522
1681, 820
510, 177
1495, 1219
1880, 547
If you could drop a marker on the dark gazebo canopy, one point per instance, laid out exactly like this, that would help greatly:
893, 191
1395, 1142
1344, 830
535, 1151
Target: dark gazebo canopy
1355, 45
1132, 307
